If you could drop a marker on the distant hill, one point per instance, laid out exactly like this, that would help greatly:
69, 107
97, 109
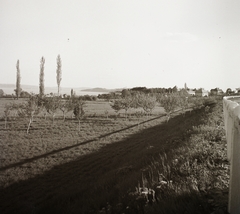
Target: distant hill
102, 90
98, 90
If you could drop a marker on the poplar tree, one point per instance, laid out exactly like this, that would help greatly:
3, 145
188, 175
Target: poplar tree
41, 77
18, 86
59, 72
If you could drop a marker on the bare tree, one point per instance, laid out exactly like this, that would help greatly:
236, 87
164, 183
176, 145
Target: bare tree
28, 110
106, 113
59, 72
42, 105
116, 105
79, 111
7, 111
127, 103
66, 106
18, 86
52, 104
169, 103
183, 100
14, 110
138, 114
41, 77
147, 102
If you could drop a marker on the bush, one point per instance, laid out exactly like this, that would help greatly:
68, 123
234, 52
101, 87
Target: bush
1, 93
8, 96
24, 94
210, 101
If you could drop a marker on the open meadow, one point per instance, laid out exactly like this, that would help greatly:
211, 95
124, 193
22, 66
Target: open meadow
101, 168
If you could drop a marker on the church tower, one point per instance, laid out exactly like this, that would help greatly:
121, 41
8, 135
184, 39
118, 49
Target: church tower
185, 86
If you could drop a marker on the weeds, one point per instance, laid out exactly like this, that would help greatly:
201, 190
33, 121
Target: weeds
193, 179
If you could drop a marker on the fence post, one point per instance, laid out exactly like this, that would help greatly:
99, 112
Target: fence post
231, 111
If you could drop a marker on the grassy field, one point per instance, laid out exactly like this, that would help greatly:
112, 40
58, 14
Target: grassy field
56, 169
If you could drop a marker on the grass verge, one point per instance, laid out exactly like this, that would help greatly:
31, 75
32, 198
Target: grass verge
193, 178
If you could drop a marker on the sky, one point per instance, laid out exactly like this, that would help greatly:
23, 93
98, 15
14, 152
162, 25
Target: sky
122, 43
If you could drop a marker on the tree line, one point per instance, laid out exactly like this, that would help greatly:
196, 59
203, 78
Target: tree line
18, 89
143, 104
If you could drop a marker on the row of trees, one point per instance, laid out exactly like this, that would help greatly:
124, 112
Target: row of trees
149, 101
170, 102
213, 92
50, 105
18, 89
46, 105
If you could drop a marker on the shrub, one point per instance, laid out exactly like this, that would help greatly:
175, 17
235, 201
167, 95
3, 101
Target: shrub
24, 94
1, 93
